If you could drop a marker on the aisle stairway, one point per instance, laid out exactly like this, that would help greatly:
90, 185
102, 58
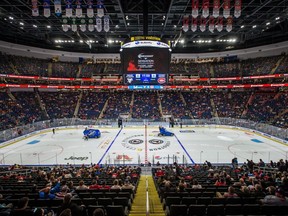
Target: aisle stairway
139, 202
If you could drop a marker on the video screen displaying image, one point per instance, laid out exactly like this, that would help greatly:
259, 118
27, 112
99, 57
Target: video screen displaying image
145, 60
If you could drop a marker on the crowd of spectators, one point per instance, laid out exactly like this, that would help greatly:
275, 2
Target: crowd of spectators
173, 104
266, 106
253, 183
283, 66
20, 109
10, 64
229, 104
263, 107
146, 105
30, 66
259, 66
118, 103
5, 65
65, 187
227, 69
92, 104
60, 104
199, 104
87, 70
65, 69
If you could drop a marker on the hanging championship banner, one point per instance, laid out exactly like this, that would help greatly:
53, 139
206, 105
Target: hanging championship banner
216, 6
203, 24
91, 25
229, 24
195, 7
100, 8
211, 24
35, 9
79, 8
194, 24
185, 23
74, 25
68, 8
205, 8
98, 24
106, 23
65, 25
220, 24
90, 10
46, 6
226, 8
57, 6
83, 24
237, 8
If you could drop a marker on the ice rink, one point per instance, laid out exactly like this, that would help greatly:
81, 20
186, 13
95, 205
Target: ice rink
132, 145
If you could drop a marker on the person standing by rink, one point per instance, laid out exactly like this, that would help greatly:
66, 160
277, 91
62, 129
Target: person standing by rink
53, 130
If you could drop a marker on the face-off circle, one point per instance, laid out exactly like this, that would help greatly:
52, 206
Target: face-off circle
136, 142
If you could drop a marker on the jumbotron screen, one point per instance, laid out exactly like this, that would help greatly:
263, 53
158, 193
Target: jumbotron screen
145, 62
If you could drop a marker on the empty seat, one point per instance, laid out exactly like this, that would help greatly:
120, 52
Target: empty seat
197, 210
114, 210
234, 200
171, 200
233, 209
218, 200
178, 210
217, 209
124, 201
251, 209
105, 201
204, 200
189, 200
89, 201
274, 210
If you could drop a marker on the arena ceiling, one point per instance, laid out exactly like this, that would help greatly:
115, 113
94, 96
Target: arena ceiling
261, 22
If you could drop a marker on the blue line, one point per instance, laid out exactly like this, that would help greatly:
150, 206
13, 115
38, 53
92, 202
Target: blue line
184, 150
109, 146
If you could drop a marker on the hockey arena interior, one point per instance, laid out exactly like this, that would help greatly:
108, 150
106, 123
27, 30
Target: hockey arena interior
138, 108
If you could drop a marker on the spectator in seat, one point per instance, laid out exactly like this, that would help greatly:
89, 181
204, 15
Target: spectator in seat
94, 185
230, 194
275, 199
67, 203
128, 185
98, 212
5, 209
116, 185
81, 186
196, 185
38, 212
66, 212
21, 209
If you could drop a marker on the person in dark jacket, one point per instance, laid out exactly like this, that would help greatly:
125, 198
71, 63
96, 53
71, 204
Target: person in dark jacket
76, 210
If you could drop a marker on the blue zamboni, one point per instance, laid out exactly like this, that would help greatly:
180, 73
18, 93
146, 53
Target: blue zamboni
164, 132
92, 133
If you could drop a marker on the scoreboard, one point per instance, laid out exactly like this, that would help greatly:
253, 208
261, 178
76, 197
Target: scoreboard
145, 62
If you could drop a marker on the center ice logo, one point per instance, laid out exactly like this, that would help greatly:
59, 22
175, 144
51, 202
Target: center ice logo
136, 142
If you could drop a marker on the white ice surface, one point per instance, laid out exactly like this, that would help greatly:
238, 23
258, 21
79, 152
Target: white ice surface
213, 144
